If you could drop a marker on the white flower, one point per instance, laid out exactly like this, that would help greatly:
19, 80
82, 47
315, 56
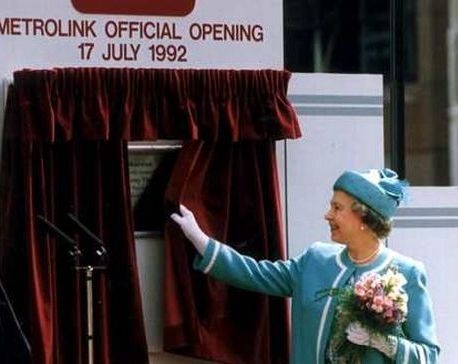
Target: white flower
393, 280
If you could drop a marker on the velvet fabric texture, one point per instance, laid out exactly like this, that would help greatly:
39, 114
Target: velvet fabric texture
150, 104
65, 150
233, 190
90, 180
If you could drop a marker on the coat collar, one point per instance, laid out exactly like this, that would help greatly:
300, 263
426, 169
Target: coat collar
382, 261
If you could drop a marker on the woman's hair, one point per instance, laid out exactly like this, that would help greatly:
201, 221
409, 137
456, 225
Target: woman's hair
374, 221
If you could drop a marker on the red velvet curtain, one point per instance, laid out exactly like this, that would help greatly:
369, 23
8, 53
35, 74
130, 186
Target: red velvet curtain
90, 180
233, 190
149, 104
64, 150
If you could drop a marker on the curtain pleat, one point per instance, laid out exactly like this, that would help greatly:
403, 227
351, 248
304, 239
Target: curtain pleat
147, 104
89, 180
233, 190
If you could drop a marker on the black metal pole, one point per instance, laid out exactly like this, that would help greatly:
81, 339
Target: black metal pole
397, 135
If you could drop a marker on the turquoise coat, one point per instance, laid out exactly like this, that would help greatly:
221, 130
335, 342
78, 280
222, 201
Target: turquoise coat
319, 267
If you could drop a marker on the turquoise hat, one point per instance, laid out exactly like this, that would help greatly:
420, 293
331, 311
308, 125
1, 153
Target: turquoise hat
379, 189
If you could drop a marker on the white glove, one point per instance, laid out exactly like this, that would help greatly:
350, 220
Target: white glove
360, 336
191, 229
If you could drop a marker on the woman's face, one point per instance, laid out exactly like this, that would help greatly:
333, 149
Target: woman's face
345, 224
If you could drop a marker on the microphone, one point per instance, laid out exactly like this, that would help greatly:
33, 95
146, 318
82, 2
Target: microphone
100, 250
75, 251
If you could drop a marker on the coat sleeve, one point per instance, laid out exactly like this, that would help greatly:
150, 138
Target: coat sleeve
224, 263
420, 344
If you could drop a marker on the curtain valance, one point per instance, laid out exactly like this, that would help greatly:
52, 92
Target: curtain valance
147, 104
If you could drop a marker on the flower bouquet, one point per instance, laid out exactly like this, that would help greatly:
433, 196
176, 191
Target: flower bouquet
376, 301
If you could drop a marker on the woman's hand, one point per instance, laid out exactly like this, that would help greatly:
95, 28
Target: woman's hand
360, 336
191, 229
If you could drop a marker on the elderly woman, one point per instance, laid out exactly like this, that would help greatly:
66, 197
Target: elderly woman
359, 217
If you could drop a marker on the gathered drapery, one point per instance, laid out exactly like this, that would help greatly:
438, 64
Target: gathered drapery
146, 104
89, 180
65, 150
233, 190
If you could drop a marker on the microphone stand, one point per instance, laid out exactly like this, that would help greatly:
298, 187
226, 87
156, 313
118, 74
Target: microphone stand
88, 270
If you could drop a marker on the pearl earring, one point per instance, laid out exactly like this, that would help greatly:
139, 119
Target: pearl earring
362, 228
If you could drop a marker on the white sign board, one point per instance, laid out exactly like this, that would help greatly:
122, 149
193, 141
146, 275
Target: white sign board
236, 34
210, 34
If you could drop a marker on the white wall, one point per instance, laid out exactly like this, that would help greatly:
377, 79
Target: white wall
341, 117
427, 229
3, 94
150, 250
